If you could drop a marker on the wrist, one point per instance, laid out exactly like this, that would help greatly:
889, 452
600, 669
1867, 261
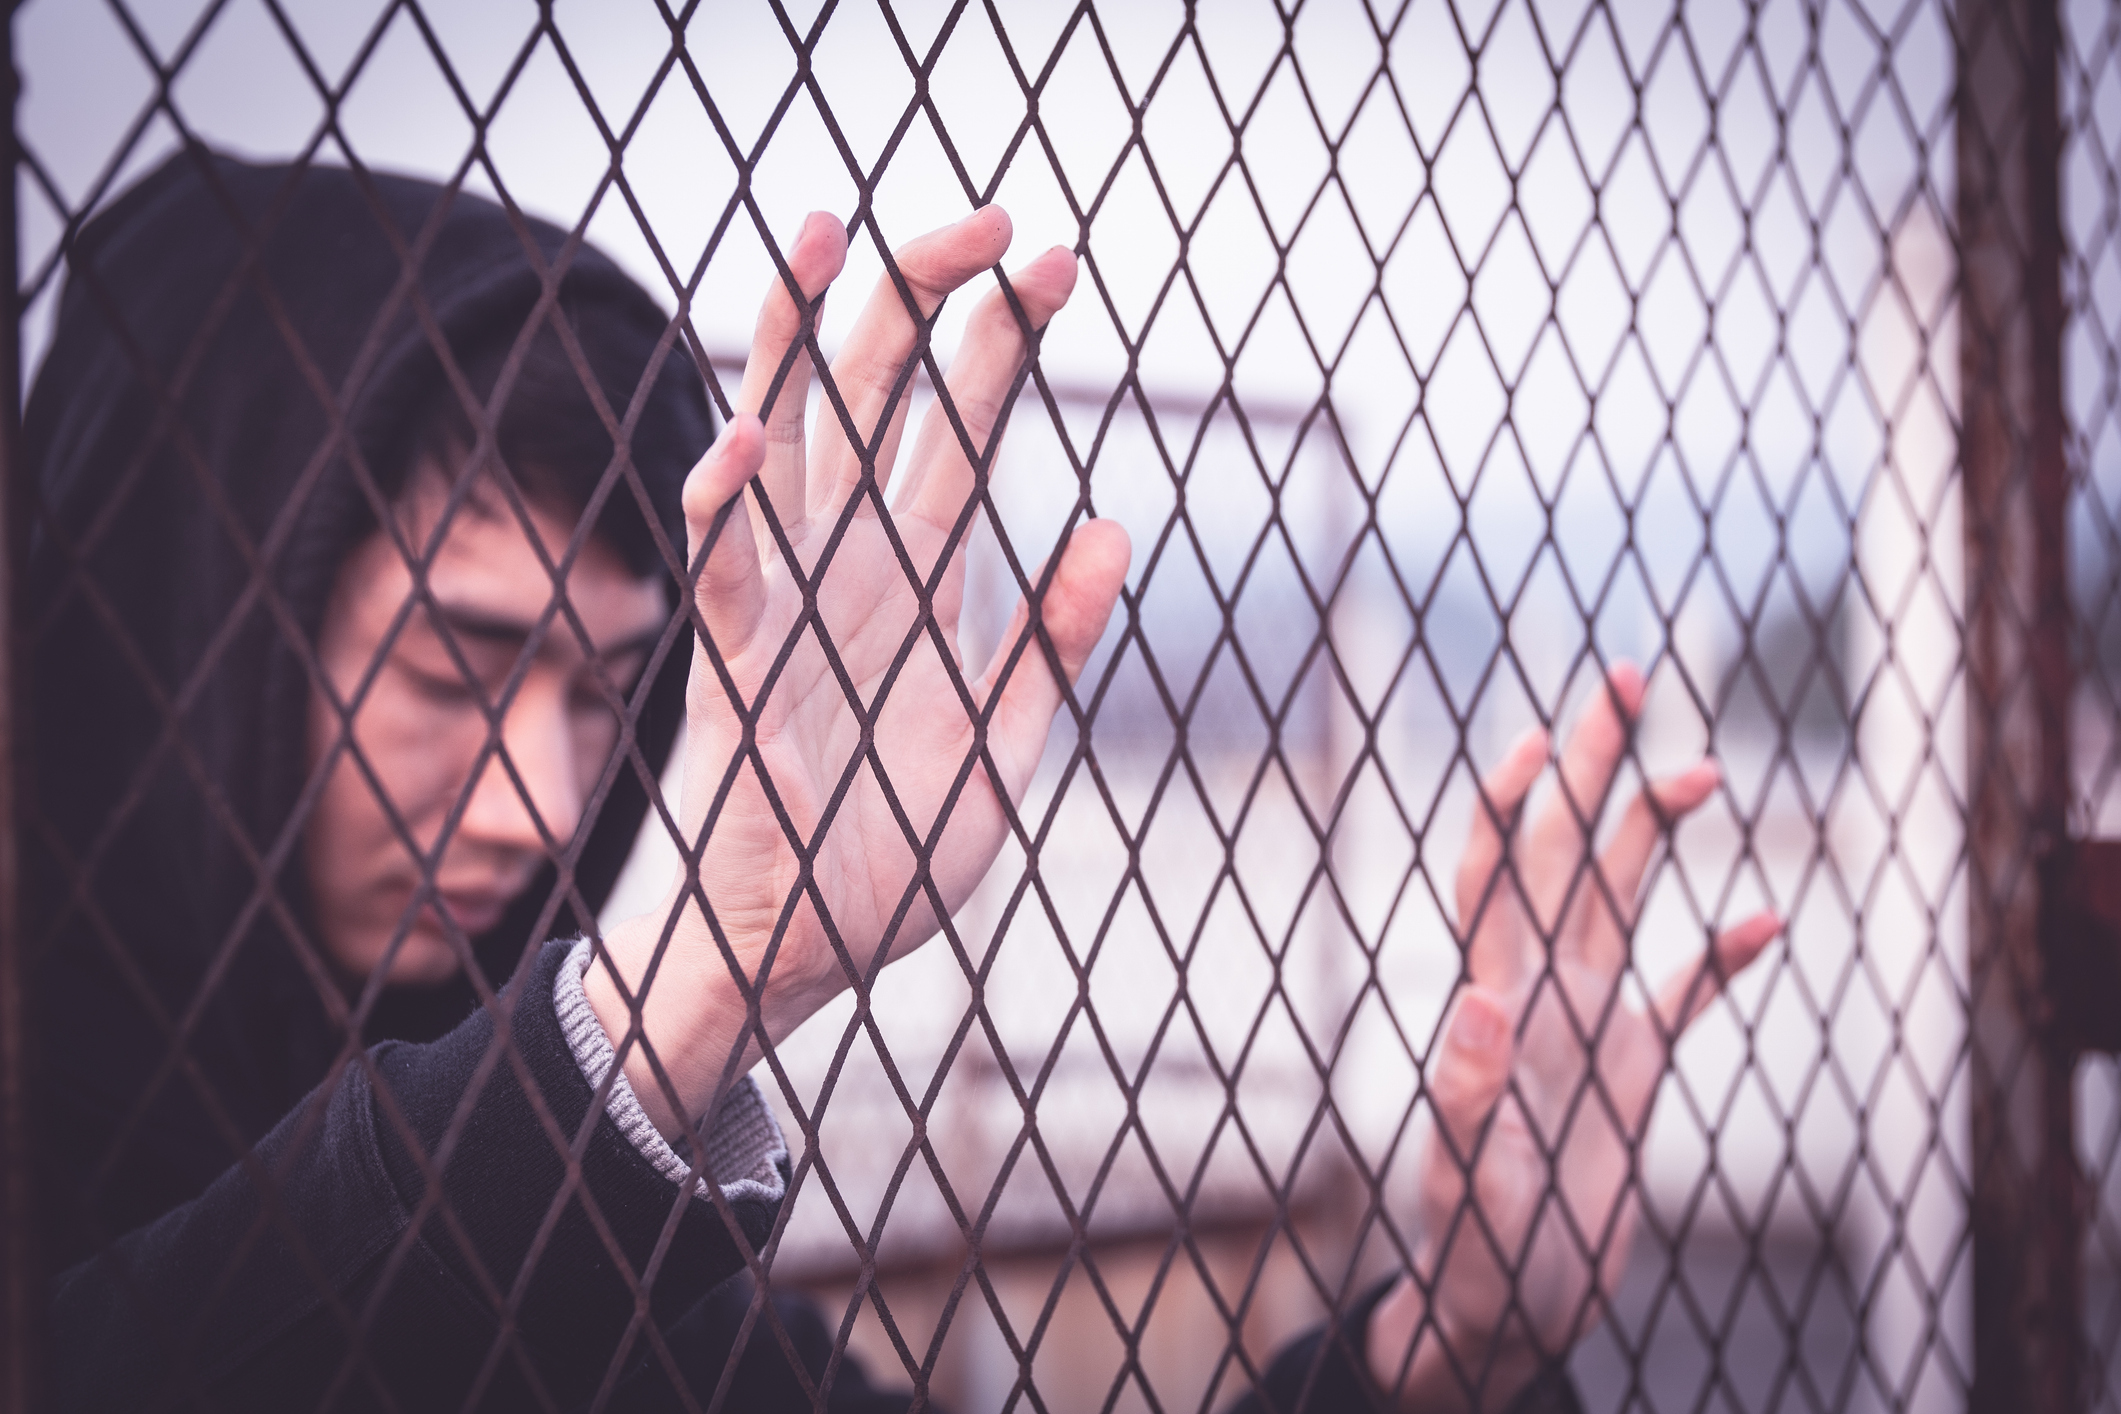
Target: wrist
690, 1019
1439, 1359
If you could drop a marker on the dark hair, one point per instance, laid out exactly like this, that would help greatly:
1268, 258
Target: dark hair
549, 435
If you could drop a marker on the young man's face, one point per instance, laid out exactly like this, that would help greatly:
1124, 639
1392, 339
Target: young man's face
423, 733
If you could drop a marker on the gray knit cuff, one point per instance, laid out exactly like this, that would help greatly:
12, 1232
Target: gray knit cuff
742, 1143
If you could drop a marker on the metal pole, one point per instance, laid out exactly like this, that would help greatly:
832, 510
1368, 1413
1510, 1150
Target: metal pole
2028, 1198
21, 1287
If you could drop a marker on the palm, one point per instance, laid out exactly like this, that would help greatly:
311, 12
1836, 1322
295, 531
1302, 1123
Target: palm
1525, 1254
891, 793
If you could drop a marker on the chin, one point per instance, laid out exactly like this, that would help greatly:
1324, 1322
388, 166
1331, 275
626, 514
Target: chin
423, 961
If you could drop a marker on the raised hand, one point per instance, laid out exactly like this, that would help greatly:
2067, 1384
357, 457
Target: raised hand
1543, 1077
853, 776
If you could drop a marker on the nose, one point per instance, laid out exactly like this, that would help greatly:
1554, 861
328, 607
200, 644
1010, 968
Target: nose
535, 740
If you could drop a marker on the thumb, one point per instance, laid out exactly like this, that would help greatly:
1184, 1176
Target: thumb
1471, 1066
728, 588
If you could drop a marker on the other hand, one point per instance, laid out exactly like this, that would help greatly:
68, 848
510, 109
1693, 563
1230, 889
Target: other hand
1545, 1069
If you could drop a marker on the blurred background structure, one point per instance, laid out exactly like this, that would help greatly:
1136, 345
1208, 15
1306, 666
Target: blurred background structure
1436, 355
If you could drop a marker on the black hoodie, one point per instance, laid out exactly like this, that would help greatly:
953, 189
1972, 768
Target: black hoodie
238, 360
251, 1206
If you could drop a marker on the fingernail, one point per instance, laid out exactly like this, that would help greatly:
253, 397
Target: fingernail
1627, 683
1480, 1028
730, 427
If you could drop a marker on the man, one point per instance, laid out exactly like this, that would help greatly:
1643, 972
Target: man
355, 662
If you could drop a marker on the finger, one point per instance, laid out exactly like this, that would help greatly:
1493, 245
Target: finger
815, 260
1614, 897
886, 336
1471, 1066
729, 591
1687, 993
940, 479
1485, 899
1556, 845
1074, 611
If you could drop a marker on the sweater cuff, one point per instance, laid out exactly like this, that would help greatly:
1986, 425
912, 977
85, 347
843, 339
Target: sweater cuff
741, 1143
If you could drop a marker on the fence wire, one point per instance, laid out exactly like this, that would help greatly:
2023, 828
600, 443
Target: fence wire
2089, 213
1437, 358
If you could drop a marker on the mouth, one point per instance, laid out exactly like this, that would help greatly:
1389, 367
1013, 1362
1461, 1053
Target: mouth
475, 911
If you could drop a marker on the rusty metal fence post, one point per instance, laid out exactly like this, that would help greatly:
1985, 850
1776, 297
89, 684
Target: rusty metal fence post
2028, 1194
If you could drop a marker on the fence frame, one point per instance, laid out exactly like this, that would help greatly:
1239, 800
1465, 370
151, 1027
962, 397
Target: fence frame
2027, 1205
21, 1283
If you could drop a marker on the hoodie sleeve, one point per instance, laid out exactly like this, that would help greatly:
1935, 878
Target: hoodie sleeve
1326, 1371
740, 1143
425, 1243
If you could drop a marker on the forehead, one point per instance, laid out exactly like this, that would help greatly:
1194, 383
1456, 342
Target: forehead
485, 554
485, 516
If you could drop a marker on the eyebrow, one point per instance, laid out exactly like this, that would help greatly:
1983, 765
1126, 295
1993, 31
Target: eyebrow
514, 633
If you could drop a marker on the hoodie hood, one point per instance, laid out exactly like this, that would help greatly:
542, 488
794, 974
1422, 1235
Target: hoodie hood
240, 358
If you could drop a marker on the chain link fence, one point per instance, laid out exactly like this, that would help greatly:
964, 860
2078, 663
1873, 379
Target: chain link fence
1437, 358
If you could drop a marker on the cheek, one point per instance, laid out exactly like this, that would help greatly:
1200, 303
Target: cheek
418, 755
593, 737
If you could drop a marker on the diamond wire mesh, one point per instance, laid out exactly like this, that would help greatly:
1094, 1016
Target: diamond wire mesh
2089, 206
1434, 357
